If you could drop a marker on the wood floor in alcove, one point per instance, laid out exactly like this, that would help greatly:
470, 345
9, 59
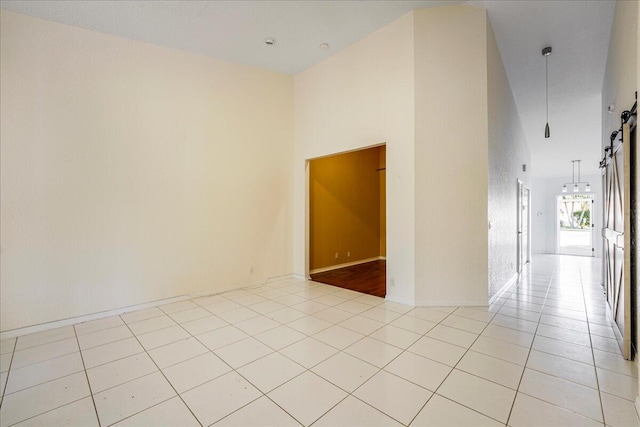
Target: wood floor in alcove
369, 278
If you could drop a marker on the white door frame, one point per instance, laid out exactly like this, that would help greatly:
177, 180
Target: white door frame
527, 249
557, 221
519, 249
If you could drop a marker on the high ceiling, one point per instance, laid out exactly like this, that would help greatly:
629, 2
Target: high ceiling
578, 31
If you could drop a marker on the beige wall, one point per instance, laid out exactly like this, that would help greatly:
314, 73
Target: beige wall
361, 97
132, 173
622, 76
508, 151
427, 71
451, 155
344, 202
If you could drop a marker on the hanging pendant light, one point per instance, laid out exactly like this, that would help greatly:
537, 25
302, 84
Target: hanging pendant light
575, 165
546, 52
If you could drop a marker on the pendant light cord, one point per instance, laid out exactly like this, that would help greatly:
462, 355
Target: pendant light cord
546, 77
579, 181
546, 52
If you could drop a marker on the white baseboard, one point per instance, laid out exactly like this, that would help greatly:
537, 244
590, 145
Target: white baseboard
504, 288
115, 312
637, 405
223, 290
465, 303
346, 264
86, 318
413, 303
399, 300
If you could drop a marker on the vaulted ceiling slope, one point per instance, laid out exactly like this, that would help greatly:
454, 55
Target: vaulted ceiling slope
235, 31
578, 32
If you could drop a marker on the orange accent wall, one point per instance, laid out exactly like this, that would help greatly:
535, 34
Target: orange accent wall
346, 213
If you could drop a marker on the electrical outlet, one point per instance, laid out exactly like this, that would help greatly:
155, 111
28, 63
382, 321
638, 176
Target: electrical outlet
337, 255
348, 254
251, 270
393, 283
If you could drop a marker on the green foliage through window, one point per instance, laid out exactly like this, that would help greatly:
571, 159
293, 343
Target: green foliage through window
575, 212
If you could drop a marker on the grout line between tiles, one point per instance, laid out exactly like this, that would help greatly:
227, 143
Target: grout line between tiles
528, 267
232, 370
57, 407
454, 367
166, 379
47, 411
403, 350
47, 381
313, 297
98, 330
86, 375
535, 334
6, 383
556, 355
85, 371
41, 361
312, 372
604, 421
45, 343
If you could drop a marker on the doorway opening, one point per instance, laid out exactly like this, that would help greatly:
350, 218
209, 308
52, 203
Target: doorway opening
523, 244
574, 224
347, 220
523, 222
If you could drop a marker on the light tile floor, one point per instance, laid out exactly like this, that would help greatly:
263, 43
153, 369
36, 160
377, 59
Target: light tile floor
295, 352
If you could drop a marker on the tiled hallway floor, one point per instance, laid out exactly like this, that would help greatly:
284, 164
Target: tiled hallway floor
293, 352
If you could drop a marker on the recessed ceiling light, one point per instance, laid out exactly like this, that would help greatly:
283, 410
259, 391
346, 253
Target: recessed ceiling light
270, 41
324, 46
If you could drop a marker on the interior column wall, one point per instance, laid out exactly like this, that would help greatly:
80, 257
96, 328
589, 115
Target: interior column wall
451, 156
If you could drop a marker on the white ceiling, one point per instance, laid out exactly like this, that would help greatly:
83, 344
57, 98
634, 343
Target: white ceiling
578, 31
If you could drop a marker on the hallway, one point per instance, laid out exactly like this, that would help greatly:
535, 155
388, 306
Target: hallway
574, 352
295, 352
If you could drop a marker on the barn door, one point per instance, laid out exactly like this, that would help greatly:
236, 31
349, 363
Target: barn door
617, 240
